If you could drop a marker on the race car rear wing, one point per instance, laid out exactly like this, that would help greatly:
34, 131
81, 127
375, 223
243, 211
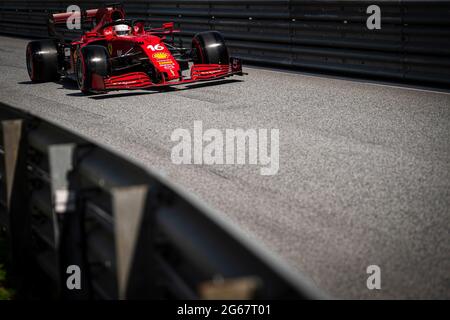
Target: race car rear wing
114, 11
61, 18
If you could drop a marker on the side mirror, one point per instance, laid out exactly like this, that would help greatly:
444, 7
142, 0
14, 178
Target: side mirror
138, 28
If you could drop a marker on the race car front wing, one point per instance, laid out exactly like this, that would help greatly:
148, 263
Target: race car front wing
141, 80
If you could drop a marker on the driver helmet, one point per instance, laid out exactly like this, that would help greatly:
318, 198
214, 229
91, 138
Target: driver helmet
122, 29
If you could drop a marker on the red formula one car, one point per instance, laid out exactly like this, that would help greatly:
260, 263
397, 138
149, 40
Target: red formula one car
118, 53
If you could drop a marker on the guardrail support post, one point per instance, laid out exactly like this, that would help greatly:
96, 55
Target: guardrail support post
12, 134
17, 200
128, 208
66, 233
61, 163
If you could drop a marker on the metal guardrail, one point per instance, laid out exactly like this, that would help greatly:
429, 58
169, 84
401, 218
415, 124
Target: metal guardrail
412, 44
66, 201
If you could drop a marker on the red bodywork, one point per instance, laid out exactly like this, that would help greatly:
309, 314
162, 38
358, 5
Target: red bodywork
151, 42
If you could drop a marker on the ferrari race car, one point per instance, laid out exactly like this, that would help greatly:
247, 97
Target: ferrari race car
118, 53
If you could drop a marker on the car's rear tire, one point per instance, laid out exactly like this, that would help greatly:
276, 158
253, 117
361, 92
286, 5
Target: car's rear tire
42, 60
209, 48
91, 60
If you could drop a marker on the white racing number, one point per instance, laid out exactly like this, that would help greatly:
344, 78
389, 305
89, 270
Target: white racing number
157, 47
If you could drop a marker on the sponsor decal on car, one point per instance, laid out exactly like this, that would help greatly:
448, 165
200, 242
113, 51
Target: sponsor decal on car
160, 55
165, 62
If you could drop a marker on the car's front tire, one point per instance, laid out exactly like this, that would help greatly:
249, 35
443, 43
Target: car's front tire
42, 60
209, 48
91, 60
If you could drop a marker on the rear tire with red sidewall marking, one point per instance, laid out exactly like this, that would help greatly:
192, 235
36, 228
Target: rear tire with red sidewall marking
91, 60
209, 48
42, 60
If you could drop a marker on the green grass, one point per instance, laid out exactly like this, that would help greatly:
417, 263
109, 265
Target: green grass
6, 293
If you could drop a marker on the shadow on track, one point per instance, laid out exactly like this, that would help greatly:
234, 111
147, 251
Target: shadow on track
72, 85
68, 84
65, 84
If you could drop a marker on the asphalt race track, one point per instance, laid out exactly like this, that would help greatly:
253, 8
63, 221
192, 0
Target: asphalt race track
364, 172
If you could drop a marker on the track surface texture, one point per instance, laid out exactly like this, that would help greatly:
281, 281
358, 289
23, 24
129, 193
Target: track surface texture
364, 172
